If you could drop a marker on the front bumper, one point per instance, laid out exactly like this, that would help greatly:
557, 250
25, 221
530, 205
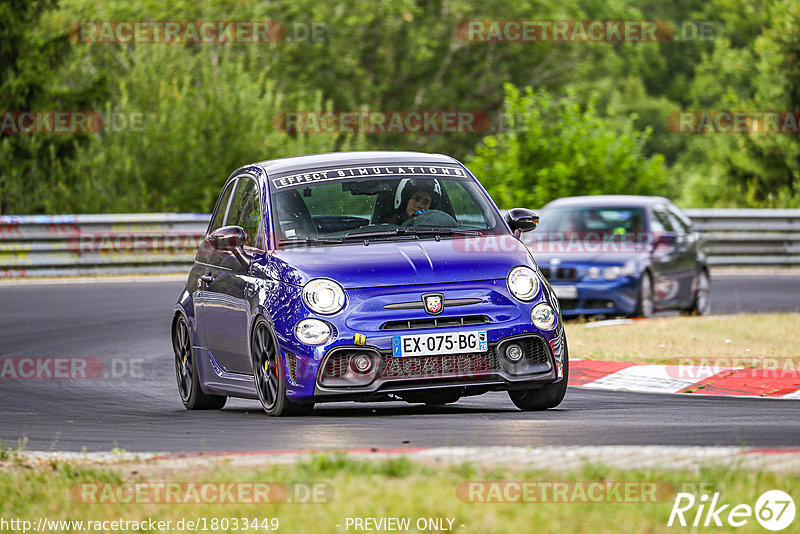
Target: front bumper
368, 316
617, 297
393, 374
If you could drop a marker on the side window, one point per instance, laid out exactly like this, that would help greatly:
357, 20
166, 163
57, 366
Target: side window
466, 210
245, 211
222, 205
679, 220
660, 221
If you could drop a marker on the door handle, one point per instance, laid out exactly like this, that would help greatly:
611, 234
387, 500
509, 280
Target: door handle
207, 278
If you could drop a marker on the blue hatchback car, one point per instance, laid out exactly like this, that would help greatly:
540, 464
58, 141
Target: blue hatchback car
365, 276
621, 255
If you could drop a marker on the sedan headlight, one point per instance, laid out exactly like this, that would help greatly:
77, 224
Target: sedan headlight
323, 296
312, 331
523, 283
612, 273
543, 317
615, 271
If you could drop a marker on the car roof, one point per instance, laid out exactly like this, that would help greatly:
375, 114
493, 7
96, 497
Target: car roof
606, 200
333, 159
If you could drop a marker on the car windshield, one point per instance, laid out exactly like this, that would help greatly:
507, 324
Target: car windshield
413, 207
601, 220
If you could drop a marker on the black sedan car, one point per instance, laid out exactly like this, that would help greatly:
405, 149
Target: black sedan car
621, 255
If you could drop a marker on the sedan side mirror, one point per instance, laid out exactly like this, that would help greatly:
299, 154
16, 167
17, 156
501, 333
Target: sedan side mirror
230, 239
522, 220
665, 240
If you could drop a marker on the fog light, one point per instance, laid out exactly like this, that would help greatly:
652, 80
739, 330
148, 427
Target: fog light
543, 317
514, 352
312, 331
361, 364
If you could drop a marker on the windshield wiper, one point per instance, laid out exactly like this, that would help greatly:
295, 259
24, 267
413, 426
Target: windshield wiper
394, 232
311, 241
407, 232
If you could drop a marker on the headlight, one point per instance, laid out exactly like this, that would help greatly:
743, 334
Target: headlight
629, 268
593, 272
523, 283
543, 317
312, 331
612, 273
323, 296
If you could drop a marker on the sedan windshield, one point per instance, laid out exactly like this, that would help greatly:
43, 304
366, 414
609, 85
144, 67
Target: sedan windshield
416, 207
601, 220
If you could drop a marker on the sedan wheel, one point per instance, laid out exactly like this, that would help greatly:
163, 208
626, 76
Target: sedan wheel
702, 304
268, 375
644, 301
186, 372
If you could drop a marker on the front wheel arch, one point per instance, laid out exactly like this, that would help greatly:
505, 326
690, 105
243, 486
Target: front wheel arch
282, 406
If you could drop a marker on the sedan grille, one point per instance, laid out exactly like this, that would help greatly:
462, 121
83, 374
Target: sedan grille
561, 274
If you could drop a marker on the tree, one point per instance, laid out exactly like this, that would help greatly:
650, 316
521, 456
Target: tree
557, 147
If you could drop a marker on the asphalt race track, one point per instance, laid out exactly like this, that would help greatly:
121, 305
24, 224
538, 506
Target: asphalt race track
139, 409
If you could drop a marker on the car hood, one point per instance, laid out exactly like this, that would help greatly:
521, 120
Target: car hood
394, 263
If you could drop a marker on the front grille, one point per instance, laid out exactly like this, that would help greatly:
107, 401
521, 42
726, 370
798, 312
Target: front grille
561, 274
598, 303
435, 322
440, 366
535, 349
568, 304
336, 365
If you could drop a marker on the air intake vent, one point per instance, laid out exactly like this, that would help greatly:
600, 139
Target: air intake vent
435, 322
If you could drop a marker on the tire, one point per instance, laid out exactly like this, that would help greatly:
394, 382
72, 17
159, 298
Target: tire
644, 297
268, 375
186, 371
544, 398
701, 305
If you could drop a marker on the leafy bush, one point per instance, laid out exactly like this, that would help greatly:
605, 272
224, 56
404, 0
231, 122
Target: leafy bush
556, 147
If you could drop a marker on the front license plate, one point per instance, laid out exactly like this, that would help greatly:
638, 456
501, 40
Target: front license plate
444, 343
566, 292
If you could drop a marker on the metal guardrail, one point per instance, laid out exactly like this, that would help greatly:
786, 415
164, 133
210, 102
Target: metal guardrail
64, 245
750, 237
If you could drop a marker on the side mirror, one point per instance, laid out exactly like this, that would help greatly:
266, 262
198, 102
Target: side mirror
230, 239
665, 240
522, 220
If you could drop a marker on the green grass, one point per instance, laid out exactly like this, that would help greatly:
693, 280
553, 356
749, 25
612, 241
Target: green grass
393, 488
747, 340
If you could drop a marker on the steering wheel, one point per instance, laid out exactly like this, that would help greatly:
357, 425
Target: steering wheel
412, 218
430, 218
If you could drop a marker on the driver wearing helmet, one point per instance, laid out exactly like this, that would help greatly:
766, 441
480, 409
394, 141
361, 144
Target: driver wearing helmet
414, 196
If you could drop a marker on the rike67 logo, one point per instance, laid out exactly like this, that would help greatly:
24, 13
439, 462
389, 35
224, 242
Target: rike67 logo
774, 510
